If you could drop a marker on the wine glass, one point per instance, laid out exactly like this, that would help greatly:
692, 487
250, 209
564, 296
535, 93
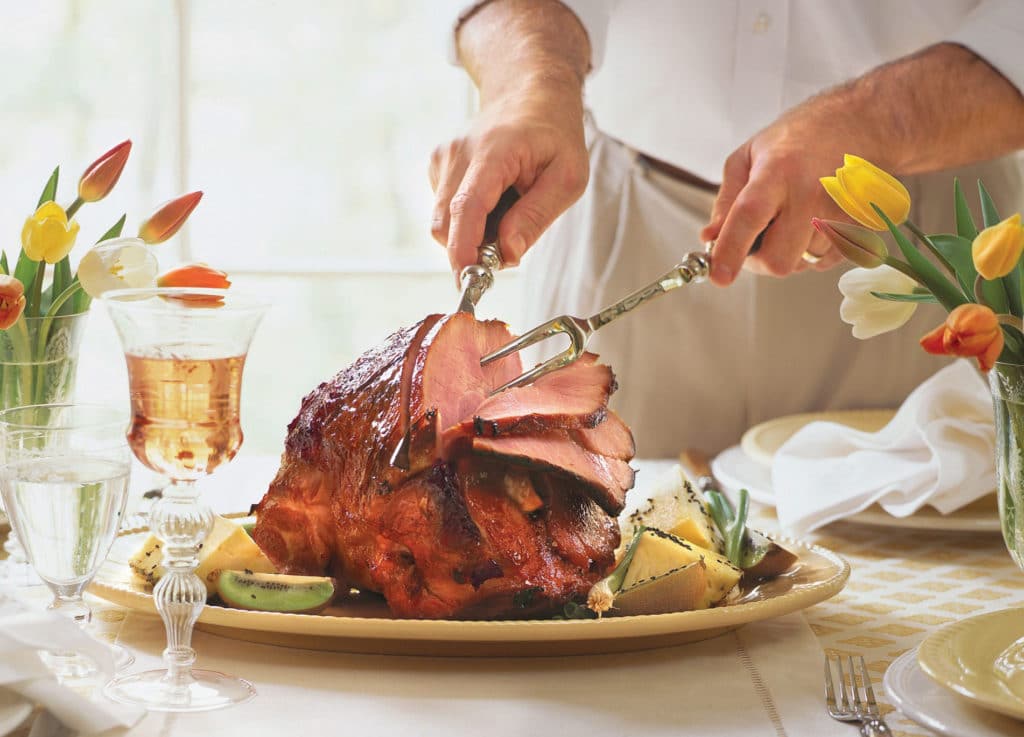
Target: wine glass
185, 350
64, 480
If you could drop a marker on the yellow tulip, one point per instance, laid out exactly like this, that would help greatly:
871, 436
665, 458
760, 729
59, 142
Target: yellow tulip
859, 183
47, 235
997, 249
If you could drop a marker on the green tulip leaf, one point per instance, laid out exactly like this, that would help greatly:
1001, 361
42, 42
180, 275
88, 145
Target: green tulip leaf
3, 263
957, 251
1013, 349
50, 190
897, 297
947, 294
61, 281
989, 213
115, 230
965, 226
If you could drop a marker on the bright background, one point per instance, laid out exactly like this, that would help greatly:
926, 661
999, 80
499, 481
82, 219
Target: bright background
307, 124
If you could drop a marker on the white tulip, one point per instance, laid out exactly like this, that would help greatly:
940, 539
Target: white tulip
121, 263
869, 315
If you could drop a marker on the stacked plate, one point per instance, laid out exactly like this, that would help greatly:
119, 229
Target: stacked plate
749, 465
981, 659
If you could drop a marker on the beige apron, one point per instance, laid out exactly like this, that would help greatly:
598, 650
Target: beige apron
700, 365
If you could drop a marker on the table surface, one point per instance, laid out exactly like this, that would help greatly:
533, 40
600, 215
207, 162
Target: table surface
904, 584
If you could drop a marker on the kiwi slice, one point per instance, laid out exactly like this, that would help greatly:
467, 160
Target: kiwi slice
762, 557
275, 592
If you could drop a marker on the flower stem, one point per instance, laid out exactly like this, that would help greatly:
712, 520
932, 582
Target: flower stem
906, 269
923, 237
73, 207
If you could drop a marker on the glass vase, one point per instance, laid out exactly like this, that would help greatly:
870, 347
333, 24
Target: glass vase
1007, 383
38, 363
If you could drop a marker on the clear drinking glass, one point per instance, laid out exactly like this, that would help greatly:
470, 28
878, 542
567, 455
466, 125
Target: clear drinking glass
64, 479
185, 350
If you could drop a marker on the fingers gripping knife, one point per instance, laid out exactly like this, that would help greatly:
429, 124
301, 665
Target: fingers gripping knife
478, 278
475, 279
694, 268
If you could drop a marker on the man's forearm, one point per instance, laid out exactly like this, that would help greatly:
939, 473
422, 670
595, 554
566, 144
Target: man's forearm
509, 44
939, 108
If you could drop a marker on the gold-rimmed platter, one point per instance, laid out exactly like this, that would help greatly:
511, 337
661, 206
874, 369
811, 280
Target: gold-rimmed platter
363, 624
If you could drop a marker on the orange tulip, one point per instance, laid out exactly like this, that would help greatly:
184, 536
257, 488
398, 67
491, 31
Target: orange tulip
12, 300
101, 175
969, 330
194, 275
168, 218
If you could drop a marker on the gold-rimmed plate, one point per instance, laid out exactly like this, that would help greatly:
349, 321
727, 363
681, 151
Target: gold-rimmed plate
364, 624
980, 658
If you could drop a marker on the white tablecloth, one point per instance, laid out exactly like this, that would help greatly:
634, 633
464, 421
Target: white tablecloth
705, 689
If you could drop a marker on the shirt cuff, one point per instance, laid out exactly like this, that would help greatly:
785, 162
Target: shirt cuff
592, 14
995, 32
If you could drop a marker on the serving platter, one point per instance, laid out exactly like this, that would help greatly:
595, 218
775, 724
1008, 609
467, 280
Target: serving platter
363, 624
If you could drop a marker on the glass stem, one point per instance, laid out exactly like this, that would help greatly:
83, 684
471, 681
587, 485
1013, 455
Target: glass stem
182, 524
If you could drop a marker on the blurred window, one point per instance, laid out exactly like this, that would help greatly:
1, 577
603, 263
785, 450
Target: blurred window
308, 125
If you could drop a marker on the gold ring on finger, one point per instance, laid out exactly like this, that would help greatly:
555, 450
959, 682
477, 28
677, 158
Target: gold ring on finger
810, 257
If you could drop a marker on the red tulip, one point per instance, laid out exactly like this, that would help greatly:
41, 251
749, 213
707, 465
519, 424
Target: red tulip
168, 218
194, 275
12, 300
101, 175
969, 330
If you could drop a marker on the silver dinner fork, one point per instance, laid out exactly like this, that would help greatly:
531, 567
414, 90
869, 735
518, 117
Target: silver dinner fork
849, 707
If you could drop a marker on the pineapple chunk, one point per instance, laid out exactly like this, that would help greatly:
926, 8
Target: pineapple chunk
676, 507
228, 546
680, 590
658, 553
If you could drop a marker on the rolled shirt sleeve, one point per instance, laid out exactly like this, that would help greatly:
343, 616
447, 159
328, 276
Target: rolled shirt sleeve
592, 14
995, 31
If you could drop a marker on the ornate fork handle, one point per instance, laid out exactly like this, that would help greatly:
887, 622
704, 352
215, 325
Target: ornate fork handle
693, 268
874, 727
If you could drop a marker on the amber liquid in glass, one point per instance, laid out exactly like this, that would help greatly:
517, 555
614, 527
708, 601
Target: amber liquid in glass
185, 413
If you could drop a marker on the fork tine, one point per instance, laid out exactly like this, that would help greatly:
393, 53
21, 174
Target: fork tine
537, 334
844, 701
830, 694
555, 362
869, 693
857, 704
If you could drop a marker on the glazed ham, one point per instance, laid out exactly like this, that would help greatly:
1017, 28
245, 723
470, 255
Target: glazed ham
497, 506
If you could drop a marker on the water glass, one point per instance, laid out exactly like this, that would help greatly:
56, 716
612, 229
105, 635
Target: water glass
64, 480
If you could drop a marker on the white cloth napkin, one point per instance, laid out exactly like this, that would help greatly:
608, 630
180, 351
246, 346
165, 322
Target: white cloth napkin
938, 450
26, 682
764, 679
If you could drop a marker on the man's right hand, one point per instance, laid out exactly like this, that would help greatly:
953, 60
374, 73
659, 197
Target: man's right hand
527, 58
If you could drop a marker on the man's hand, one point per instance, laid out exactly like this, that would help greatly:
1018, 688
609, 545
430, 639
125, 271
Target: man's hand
528, 59
907, 117
771, 182
532, 141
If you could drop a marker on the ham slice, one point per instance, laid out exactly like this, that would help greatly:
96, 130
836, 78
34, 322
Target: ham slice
608, 479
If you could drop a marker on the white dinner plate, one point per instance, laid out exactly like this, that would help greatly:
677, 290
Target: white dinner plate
924, 701
762, 441
982, 659
366, 626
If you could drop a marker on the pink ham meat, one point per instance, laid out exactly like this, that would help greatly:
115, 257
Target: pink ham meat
608, 479
511, 521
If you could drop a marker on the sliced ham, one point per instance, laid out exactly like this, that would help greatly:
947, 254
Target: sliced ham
607, 478
611, 438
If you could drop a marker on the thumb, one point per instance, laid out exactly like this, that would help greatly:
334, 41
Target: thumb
735, 174
549, 196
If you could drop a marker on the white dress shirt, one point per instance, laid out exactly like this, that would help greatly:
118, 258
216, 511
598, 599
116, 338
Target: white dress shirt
688, 81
